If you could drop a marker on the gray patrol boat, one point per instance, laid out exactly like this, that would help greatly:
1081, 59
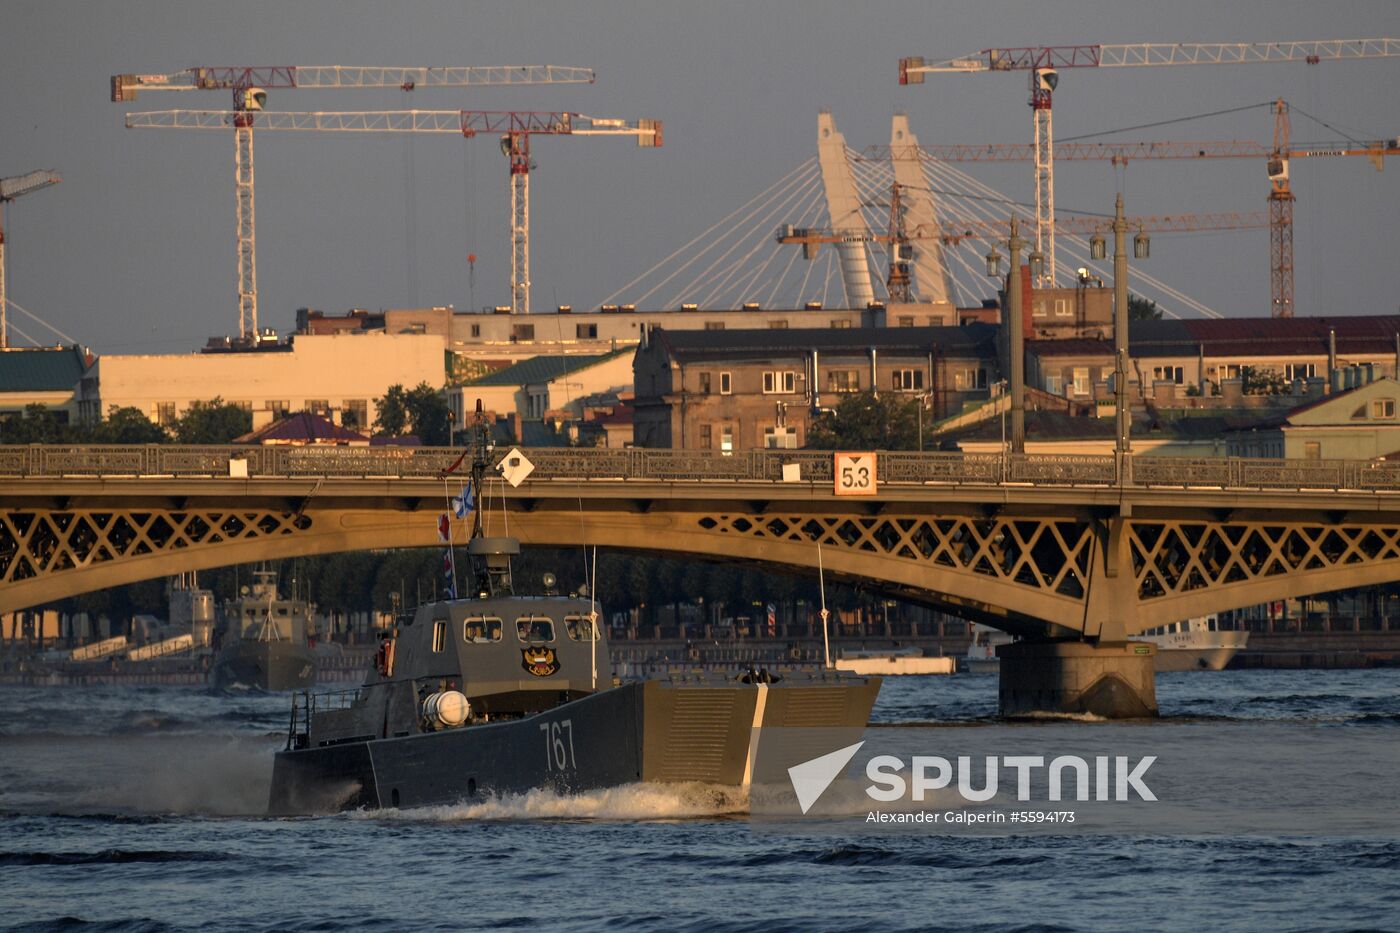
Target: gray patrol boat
266, 641
506, 693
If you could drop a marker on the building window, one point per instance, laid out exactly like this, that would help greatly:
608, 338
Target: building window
1038, 308
908, 380
476, 330
1312, 450
725, 384
714, 325
780, 438
777, 325
704, 383
726, 439
1383, 408
355, 413
843, 380
1081, 380
537, 404
278, 407
1054, 384
586, 331
1062, 307
318, 406
439, 635
1175, 374
841, 324
165, 413
969, 378
906, 321
779, 382
706, 437
522, 332
1292, 371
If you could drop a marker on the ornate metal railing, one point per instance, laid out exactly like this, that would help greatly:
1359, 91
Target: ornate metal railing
681, 466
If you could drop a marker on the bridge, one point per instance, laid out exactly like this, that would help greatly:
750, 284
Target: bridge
1095, 549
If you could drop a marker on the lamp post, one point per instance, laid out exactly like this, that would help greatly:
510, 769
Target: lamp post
1122, 441
1012, 321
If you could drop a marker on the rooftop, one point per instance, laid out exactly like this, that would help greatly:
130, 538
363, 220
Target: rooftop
1298, 336
541, 369
41, 369
971, 339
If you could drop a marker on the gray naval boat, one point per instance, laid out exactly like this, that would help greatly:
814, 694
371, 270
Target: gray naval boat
265, 641
505, 693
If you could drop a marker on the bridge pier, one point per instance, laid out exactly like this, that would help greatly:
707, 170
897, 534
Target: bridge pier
1114, 680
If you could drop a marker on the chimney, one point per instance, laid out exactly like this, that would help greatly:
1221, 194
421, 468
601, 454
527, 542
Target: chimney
1232, 392
1332, 357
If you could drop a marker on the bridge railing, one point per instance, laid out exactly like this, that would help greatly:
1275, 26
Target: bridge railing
815, 466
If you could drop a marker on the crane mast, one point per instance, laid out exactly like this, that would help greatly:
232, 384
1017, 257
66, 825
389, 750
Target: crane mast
11, 188
1044, 62
249, 85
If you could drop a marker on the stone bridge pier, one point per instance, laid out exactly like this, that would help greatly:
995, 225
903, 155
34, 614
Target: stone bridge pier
1100, 671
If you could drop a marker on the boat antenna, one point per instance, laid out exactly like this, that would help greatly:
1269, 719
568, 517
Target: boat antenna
593, 616
821, 588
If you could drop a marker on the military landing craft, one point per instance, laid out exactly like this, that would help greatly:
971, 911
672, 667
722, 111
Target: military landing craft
504, 692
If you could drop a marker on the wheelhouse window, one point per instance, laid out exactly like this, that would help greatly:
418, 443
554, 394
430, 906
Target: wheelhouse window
580, 628
481, 630
534, 628
439, 635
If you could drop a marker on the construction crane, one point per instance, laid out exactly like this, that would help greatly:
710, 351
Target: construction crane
249, 86
514, 128
1277, 156
953, 232
1043, 63
11, 188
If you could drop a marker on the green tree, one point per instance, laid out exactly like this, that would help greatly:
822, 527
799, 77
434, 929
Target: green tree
127, 426
431, 415
212, 422
867, 422
422, 411
38, 425
1142, 309
393, 418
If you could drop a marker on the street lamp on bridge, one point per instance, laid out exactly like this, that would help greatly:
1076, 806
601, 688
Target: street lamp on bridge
1122, 441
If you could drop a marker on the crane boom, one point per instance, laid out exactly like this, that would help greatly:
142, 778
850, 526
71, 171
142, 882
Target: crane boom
1043, 63
459, 122
125, 87
1120, 153
953, 231
1138, 54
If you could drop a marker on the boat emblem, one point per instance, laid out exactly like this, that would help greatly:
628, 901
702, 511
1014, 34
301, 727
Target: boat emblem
539, 661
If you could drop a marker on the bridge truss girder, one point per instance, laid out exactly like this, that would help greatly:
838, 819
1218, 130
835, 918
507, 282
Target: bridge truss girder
1043, 569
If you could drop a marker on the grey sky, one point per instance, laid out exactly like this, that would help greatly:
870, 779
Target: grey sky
135, 250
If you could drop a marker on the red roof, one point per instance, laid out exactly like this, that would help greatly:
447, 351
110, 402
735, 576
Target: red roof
303, 428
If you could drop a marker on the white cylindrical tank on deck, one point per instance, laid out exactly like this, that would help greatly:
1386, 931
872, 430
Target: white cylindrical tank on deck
446, 709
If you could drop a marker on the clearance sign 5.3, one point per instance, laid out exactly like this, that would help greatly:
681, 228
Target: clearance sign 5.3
855, 473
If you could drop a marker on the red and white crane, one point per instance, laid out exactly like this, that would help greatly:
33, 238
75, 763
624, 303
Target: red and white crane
11, 188
1044, 62
514, 128
249, 86
1276, 158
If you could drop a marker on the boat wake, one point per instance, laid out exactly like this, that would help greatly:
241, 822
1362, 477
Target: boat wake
631, 803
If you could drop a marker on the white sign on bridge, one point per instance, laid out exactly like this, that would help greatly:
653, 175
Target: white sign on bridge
855, 474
